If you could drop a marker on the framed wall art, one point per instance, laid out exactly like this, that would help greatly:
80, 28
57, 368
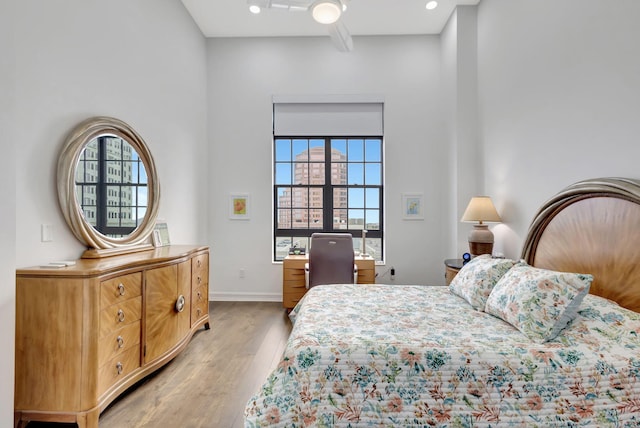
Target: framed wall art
239, 207
412, 206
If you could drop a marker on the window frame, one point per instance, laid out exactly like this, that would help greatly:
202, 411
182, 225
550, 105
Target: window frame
328, 225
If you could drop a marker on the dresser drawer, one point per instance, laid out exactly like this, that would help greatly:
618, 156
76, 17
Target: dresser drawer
117, 341
117, 316
118, 367
293, 275
199, 288
199, 271
293, 285
295, 262
366, 276
120, 288
290, 299
199, 304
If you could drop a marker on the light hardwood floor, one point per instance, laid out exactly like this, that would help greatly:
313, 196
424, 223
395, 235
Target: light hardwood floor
210, 382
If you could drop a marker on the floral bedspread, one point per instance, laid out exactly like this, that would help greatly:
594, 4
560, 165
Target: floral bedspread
419, 356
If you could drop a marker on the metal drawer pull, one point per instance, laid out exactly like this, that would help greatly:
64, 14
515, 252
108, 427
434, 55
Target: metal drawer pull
120, 341
121, 289
199, 262
119, 367
198, 311
180, 303
199, 279
199, 295
120, 315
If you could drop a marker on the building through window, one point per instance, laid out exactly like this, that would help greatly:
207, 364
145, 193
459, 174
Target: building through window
329, 184
111, 186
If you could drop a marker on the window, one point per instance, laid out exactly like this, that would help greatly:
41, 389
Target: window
327, 184
111, 179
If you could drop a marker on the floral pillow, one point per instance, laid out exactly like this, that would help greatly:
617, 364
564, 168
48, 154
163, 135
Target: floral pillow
538, 302
477, 278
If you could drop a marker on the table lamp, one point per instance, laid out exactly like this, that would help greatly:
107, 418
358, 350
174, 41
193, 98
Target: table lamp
481, 210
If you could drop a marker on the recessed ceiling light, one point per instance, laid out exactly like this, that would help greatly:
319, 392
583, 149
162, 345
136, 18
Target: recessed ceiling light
254, 9
432, 5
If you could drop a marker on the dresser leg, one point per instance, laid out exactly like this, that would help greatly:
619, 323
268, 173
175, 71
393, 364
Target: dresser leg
17, 420
88, 420
81, 421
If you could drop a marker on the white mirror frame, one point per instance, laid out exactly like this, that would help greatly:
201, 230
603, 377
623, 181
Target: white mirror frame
77, 140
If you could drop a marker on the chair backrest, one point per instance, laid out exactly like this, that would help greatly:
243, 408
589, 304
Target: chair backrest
331, 259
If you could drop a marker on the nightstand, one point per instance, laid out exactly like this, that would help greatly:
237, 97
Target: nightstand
452, 267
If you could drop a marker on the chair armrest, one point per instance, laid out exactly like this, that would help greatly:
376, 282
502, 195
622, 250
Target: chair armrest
306, 275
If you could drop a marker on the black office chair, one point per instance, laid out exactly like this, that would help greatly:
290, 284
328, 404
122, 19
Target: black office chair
331, 260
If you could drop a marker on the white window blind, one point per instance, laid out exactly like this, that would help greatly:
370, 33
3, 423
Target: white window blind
327, 118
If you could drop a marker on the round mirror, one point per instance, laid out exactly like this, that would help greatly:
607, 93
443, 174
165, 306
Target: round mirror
107, 185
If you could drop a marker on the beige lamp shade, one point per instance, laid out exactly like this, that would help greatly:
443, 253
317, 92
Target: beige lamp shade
481, 210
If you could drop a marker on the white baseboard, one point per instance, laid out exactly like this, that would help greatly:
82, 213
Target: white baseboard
228, 296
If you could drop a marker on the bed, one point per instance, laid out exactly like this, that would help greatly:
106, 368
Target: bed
549, 340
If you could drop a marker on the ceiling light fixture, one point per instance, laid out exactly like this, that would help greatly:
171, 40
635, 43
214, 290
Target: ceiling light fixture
326, 11
432, 5
254, 8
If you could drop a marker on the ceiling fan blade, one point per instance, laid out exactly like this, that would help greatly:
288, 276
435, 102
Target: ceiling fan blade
340, 36
292, 5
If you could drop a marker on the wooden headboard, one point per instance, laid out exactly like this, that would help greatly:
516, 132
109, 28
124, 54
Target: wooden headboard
592, 226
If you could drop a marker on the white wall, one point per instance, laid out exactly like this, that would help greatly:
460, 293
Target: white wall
244, 74
7, 212
559, 100
460, 104
141, 61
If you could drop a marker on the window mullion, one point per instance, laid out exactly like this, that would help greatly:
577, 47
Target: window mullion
327, 192
101, 185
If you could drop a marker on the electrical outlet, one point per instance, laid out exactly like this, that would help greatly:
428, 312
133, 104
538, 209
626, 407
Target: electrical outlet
242, 272
393, 273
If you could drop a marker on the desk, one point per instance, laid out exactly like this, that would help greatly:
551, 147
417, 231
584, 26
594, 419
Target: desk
293, 286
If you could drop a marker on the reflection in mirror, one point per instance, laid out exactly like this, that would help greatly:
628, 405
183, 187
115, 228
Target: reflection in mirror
108, 187
111, 186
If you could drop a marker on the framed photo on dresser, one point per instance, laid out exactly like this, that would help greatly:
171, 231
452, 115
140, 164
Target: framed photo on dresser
160, 235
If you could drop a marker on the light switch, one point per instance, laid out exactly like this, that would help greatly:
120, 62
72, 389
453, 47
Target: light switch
46, 233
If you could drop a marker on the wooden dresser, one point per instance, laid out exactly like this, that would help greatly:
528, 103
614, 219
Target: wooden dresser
85, 333
293, 284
